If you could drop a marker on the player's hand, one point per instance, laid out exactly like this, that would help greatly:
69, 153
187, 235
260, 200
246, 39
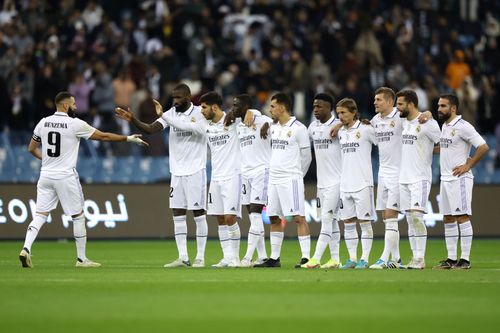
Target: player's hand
335, 130
230, 118
248, 121
424, 117
158, 108
365, 122
461, 169
124, 114
136, 138
264, 131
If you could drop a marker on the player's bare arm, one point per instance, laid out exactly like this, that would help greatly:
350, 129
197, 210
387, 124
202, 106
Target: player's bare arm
335, 130
105, 136
471, 162
34, 149
264, 131
129, 116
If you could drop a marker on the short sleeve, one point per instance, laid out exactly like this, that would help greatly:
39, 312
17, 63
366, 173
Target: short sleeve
37, 135
433, 132
470, 135
370, 130
83, 129
162, 121
303, 137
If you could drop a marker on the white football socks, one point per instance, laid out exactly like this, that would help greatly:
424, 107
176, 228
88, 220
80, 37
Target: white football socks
451, 238
276, 242
335, 241
305, 246
391, 239
180, 232
235, 237
325, 236
351, 240
33, 229
225, 242
466, 235
254, 235
366, 239
201, 236
80, 234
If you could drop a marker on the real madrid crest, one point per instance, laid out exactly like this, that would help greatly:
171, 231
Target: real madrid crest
392, 124
453, 132
254, 127
226, 128
289, 134
358, 135
418, 129
193, 119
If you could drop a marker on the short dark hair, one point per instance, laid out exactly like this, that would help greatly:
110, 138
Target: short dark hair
409, 95
63, 95
325, 97
453, 99
245, 100
183, 87
350, 105
211, 98
387, 92
283, 99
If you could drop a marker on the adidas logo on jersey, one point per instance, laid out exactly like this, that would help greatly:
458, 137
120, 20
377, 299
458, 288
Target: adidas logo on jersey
291, 210
232, 208
457, 210
257, 198
395, 205
367, 215
196, 204
416, 204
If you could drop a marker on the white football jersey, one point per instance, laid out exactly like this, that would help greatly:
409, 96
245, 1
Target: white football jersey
456, 140
327, 152
187, 149
356, 147
255, 151
286, 142
60, 136
418, 145
388, 132
224, 148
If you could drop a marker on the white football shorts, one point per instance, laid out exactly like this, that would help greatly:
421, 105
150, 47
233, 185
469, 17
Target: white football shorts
456, 196
358, 204
388, 194
67, 190
414, 196
286, 199
254, 189
224, 197
328, 200
189, 192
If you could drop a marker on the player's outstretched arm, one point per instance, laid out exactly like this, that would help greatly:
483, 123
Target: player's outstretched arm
34, 149
264, 131
105, 136
129, 116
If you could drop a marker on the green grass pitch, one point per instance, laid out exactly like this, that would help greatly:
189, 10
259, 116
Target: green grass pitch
132, 292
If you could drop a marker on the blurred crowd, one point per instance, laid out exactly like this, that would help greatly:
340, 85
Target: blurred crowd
126, 52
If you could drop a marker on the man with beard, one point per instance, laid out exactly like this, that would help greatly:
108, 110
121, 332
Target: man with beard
457, 137
59, 135
187, 162
415, 176
224, 196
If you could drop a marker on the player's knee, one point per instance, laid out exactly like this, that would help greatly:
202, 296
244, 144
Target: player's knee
199, 212
463, 218
449, 219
